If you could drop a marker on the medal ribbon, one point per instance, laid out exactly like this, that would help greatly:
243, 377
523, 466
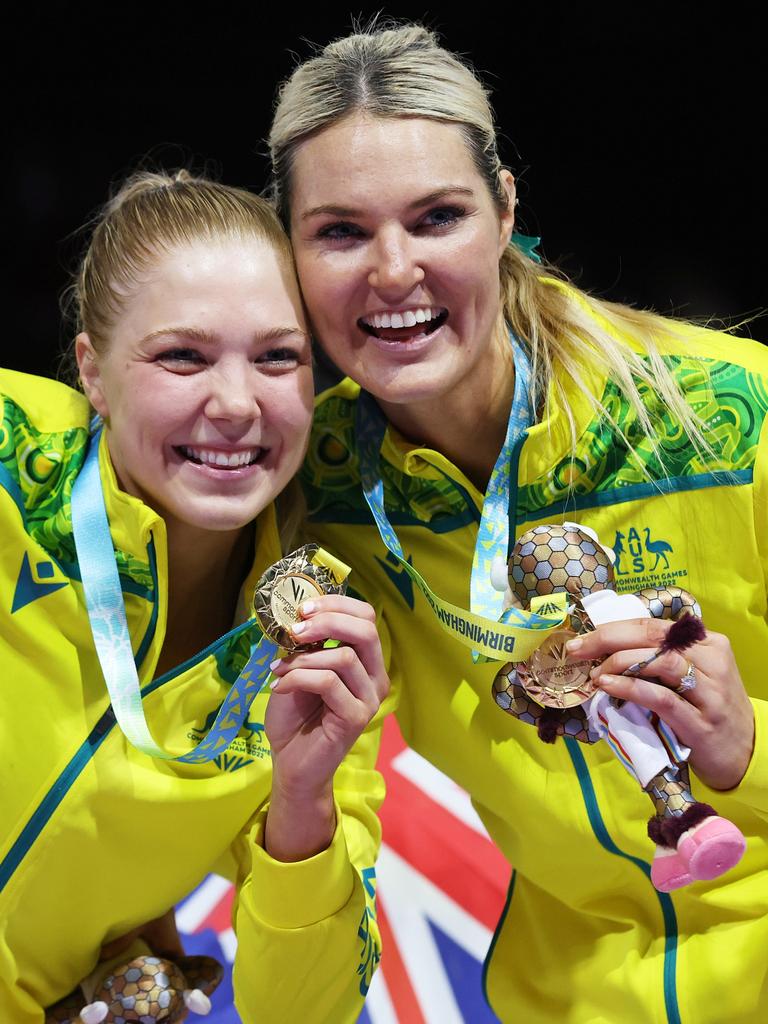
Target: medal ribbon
492, 635
109, 625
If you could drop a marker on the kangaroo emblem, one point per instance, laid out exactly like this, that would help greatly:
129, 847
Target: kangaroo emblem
658, 548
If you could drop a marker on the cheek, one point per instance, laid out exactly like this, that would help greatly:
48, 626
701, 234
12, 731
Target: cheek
327, 285
486, 286
150, 405
131, 410
291, 407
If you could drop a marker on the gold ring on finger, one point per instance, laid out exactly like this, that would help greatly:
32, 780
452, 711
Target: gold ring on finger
688, 681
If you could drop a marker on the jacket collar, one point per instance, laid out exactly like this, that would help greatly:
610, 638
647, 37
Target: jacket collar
548, 442
131, 522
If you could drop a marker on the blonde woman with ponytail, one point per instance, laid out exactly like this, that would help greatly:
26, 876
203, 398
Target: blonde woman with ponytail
193, 351
469, 361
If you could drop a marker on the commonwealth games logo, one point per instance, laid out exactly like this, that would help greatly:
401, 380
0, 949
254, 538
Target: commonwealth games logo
647, 558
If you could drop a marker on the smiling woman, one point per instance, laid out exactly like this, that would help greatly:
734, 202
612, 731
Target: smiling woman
418, 239
206, 384
193, 350
487, 397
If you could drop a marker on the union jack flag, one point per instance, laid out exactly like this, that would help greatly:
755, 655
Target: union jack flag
440, 890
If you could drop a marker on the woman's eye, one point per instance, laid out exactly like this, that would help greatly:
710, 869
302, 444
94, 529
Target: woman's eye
181, 358
282, 358
443, 216
341, 231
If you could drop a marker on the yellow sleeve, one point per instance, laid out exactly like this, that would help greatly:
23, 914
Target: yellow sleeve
752, 791
753, 788
308, 940
760, 482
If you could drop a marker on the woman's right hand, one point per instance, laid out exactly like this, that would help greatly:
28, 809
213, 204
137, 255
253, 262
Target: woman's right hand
321, 702
715, 718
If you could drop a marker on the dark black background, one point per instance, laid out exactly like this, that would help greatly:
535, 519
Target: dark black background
635, 132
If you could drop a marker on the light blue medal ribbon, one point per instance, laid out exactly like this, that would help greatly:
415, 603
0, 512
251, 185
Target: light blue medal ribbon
493, 531
492, 634
109, 625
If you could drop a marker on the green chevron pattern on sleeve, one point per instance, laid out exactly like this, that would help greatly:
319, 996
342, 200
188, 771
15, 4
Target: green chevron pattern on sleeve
43, 466
729, 399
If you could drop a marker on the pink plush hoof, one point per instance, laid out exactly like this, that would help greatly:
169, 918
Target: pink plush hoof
711, 848
669, 870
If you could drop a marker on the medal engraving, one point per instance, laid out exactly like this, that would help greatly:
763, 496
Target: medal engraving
551, 679
289, 592
285, 586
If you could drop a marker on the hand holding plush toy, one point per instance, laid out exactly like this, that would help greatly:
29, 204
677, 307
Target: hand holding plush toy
692, 841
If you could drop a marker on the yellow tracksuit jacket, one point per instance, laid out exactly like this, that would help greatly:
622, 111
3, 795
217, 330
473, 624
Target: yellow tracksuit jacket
97, 838
585, 938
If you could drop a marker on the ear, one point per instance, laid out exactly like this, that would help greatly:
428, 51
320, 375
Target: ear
90, 374
507, 220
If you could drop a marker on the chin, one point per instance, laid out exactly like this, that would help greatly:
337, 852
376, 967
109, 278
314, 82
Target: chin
403, 385
216, 516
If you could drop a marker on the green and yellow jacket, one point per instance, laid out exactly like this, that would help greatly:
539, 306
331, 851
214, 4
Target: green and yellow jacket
97, 838
585, 938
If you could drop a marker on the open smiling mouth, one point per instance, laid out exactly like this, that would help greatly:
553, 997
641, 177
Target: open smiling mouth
222, 460
404, 325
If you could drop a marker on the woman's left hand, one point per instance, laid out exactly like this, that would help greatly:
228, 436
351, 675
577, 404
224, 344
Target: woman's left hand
715, 719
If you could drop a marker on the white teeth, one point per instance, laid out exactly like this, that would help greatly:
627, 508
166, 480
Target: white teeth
406, 318
212, 458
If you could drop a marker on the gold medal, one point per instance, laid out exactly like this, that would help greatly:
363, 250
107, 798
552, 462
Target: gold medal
553, 681
305, 574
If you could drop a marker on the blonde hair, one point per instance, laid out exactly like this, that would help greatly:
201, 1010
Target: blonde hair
153, 213
402, 71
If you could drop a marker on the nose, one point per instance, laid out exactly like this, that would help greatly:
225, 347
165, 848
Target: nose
396, 268
233, 394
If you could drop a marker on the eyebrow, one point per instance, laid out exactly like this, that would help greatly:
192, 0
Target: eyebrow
350, 211
202, 337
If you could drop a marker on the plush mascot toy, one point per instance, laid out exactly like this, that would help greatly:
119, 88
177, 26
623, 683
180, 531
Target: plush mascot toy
557, 696
139, 987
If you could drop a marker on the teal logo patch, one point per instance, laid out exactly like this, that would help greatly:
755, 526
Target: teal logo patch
35, 582
399, 577
248, 746
645, 560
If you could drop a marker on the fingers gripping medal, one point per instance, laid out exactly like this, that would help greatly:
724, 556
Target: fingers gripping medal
692, 841
545, 560
551, 679
305, 574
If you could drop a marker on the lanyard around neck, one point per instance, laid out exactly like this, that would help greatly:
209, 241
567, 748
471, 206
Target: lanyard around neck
492, 634
109, 625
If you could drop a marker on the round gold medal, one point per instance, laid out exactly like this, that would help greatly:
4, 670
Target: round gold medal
553, 681
285, 586
288, 593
